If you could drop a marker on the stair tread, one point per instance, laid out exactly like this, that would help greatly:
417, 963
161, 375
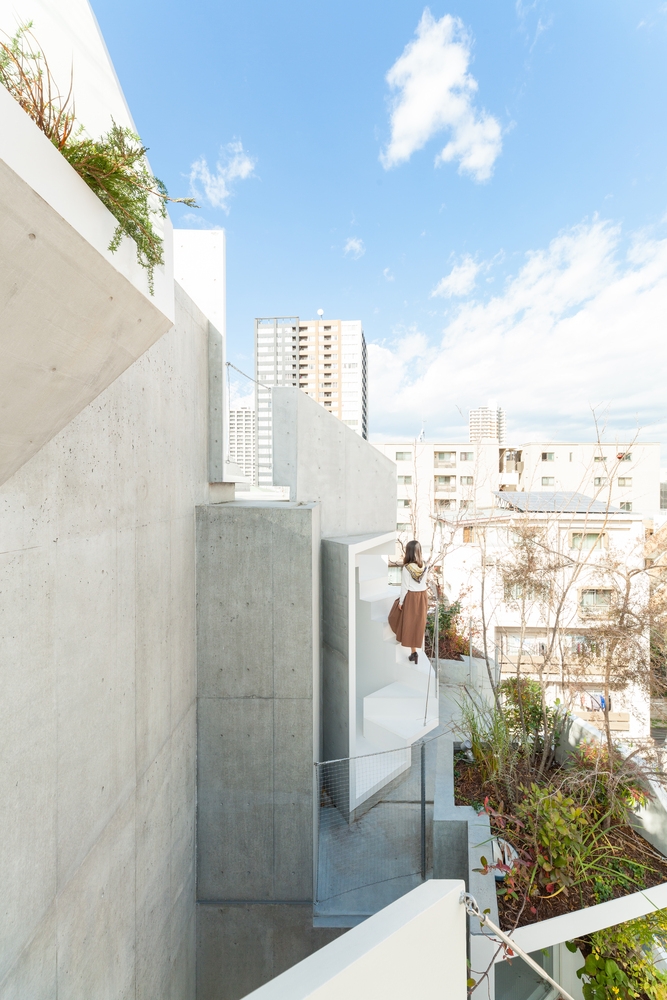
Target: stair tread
405, 728
396, 690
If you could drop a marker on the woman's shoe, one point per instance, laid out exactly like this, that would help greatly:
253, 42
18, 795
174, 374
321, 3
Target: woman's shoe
413, 657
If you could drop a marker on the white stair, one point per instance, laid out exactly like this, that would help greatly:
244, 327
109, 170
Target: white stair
393, 716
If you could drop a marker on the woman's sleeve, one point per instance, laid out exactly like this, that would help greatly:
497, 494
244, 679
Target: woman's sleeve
404, 586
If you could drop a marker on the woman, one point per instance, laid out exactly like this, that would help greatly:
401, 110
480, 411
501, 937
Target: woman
407, 617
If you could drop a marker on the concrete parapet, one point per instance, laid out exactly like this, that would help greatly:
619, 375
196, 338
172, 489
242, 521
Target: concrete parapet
460, 837
319, 458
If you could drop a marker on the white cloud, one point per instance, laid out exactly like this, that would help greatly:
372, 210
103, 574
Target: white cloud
436, 92
460, 280
580, 324
234, 164
354, 247
388, 276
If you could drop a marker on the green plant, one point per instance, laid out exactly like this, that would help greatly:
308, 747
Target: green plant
619, 961
451, 641
528, 719
113, 166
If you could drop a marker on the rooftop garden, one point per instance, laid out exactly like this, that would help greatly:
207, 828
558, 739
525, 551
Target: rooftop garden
562, 833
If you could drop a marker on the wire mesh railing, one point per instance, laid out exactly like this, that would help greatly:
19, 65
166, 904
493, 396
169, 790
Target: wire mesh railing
375, 824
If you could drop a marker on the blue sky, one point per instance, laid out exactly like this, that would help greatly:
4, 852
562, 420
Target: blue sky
527, 264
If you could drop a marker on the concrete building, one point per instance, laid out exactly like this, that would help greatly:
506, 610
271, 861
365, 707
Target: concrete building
168, 653
487, 423
242, 440
446, 479
325, 358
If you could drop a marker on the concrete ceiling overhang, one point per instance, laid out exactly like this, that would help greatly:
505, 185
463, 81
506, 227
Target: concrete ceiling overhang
73, 316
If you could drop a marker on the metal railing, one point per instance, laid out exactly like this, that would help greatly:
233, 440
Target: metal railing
375, 826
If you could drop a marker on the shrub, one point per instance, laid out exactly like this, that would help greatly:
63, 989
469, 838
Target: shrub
620, 962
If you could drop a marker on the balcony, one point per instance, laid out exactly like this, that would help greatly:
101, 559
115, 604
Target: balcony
74, 316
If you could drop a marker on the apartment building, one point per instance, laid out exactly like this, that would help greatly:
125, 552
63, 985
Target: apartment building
577, 533
242, 439
487, 423
450, 480
625, 473
324, 358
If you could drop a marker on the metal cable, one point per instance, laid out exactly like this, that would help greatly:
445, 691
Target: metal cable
473, 910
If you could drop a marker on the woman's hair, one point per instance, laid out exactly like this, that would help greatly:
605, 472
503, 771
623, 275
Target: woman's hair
413, 553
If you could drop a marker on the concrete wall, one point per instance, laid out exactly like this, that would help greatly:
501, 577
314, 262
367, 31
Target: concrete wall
319, 458
258, 571
337, 684
97, 718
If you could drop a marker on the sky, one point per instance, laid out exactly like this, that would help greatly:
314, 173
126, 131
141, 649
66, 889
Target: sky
484, 185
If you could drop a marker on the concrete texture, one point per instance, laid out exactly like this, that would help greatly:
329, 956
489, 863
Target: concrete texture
258, 655
73, 316
337, 724
243, 946
258, 573
319, 458
98, 672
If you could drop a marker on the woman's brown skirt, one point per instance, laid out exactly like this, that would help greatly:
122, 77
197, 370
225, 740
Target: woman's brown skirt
408, 623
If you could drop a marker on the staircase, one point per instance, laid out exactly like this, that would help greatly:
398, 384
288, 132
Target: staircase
394, 715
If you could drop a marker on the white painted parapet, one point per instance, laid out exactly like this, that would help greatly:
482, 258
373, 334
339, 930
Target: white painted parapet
415, 947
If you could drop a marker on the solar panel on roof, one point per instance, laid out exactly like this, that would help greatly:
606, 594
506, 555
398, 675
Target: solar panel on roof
558, 502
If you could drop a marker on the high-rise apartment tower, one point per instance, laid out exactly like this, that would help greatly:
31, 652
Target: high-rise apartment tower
487, 423
324, 358
242, 439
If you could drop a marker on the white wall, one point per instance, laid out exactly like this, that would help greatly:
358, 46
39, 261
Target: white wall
415, 947
97, 665
68, 35
199, 268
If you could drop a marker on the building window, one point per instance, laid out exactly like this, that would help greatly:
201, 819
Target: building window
467, 456
445, 504
600, 481
595, 598
405, 480
600, 458
403, 456
402, 526
547, 456
468, 535
466, 480
625, 480
586, 540
444, 458
394, 575
445, 482
404, 503
626, 505
624, 456
548, 481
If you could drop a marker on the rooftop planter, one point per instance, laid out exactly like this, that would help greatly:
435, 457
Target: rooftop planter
73, 314
580, 861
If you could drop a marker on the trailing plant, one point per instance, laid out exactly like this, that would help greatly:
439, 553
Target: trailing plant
113, 166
